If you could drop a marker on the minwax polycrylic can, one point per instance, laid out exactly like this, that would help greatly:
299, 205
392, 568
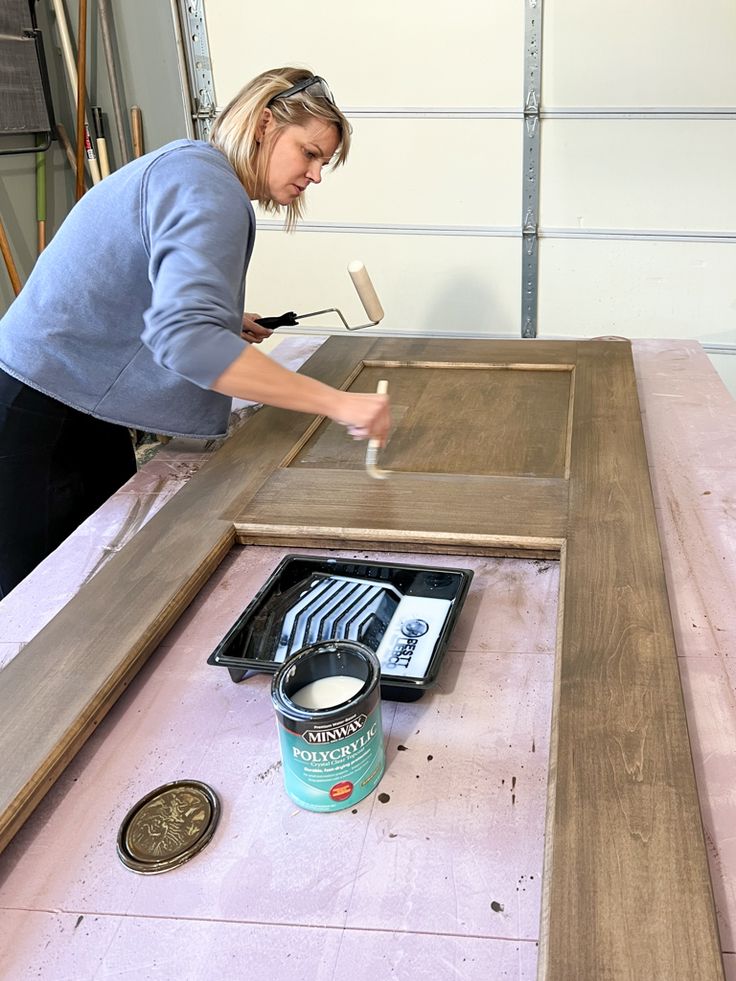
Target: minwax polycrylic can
328, 707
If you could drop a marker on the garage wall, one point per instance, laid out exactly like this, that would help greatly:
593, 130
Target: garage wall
637, 205
638, 133
430, 198
637, 230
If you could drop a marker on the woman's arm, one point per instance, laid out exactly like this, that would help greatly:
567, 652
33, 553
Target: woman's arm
256, 377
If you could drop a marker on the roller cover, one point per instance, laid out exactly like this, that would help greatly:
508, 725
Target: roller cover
366, 292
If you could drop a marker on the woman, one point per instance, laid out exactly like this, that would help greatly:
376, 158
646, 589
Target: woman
132, 317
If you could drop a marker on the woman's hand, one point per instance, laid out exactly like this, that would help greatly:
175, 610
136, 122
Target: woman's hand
366, 416
252, 331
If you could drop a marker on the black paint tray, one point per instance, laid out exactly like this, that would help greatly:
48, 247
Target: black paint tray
404, 613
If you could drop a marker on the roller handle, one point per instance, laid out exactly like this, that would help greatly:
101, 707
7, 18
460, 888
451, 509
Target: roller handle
373, 444
285, 320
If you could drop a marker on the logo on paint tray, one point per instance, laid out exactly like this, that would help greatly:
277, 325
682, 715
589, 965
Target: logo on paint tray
414, 628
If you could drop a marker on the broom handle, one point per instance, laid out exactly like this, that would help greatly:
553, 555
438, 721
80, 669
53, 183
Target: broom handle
41, 196
81, 85
117, 101
8, 257
136, 125
71, 73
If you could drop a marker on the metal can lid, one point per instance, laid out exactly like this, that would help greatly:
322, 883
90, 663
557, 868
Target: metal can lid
168, 826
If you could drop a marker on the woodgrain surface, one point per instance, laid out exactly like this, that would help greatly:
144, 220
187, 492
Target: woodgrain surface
626, 892
56, 690
409, 508
625, 855
488, 420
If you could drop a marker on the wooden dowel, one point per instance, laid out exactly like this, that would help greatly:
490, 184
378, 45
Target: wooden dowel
67, 145
81, 86
106, 29
41, 197
99, 125
71, 73
91, 154
136, 126
8, 257
104, 159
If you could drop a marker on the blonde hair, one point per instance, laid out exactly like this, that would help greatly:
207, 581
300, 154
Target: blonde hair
235, 131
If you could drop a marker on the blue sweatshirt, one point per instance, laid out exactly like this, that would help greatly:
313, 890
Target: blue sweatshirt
135, 307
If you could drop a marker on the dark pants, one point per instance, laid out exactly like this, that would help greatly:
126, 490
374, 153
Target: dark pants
57, 466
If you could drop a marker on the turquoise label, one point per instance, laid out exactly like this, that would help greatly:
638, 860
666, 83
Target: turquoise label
328, 766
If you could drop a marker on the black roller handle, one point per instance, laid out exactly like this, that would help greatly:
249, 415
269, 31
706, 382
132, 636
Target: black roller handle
285, 320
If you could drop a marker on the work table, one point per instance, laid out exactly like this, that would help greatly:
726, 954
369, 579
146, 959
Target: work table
445, 877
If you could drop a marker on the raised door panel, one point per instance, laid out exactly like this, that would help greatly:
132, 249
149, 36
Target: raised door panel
478, 459
459, 419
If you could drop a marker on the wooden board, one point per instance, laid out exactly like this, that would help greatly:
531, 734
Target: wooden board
550, 438
624, 833
301, 507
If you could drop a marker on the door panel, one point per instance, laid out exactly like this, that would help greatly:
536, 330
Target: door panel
469, 419
490, 513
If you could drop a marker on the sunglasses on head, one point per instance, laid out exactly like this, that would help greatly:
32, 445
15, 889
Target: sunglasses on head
305, 83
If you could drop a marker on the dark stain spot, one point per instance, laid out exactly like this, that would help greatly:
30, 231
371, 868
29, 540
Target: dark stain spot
513, 782
534, 748
355, 810
513, 799
496, 907
706, 493
384, 798
430, 757
392, 834
271, 769
79, 920
401, 748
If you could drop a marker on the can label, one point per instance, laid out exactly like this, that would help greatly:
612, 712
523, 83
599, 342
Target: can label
330, 765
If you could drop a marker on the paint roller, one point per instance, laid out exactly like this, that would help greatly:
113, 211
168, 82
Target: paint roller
365, 289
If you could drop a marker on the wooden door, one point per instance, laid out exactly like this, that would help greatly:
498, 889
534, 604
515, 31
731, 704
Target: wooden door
518, 447
530, 448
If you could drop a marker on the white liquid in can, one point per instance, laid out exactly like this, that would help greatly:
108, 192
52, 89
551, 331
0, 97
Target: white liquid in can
326, 692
